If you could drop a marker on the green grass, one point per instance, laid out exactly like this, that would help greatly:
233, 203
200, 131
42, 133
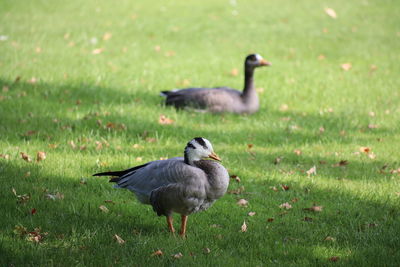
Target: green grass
201, 41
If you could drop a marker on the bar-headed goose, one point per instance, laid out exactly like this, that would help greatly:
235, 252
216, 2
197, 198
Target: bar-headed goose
182, 185
221, 99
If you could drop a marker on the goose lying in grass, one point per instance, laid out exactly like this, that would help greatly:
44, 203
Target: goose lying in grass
221, 99
182, 185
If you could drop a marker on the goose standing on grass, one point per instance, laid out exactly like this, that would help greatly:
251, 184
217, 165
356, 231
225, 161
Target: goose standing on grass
221, 99
182, 185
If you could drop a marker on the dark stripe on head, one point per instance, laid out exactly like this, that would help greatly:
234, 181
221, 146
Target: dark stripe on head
201, 142
190, 145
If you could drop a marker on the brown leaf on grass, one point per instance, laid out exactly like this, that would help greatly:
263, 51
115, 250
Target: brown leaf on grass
72, 144
372, 126
157, 48
330, 12
107, 36
277, 160
283, 107
119, 239
5, 156
164, 120
244, 227
273, 188
372, 155
251, 213
103, 208
25, 157
177, 255
297, 152
30, 133
294, 200
21, 199
270, 219
250, 146
285, 205
33, 211
206, 250
314, 208
235, 177
334, 258
97, 51
234, 72
365, 149
284, 187
307, 219
40, 156
237, 191
346, 66
242, 202
312, 171
341, 163
330, 238
157, 253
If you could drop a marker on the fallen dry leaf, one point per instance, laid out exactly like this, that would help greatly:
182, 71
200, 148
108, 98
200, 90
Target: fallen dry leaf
244, 227
97, 51
285, 205
341, 163
157, 253
206, 250
177, 255
329, 238
284, 187
365, 149
334, 258
283, 107
372, 126
307, 219
119, 239
242, 202
33, 211
103, 208
234, 72
164, 120
330, 12
372, 155
25, 157
237, 191
270, 219
40, 156
107, 36
311, 171
346, 66
5, 156
235, 177
297, 152
277, 160
251, 213
314, 208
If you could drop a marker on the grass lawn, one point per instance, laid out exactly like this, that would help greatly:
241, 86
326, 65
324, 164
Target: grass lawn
80, 80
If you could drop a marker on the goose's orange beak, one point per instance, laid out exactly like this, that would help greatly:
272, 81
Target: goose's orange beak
214, 156
263, 62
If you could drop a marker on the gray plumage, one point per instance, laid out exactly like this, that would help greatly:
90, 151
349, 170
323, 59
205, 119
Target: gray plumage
221, 99
183, 185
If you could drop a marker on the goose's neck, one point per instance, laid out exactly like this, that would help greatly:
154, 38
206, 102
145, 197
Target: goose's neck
187, 158
248, 90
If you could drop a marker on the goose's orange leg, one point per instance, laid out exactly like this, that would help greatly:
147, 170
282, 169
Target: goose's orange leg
183, 225
170, 221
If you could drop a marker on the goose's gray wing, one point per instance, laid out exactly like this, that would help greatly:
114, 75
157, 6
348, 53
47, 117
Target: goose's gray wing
171, 173
214, 99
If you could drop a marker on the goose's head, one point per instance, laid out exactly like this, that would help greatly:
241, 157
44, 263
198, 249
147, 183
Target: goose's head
199, 148
255, 60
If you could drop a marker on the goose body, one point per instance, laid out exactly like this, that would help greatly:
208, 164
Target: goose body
221, 99
183, 185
